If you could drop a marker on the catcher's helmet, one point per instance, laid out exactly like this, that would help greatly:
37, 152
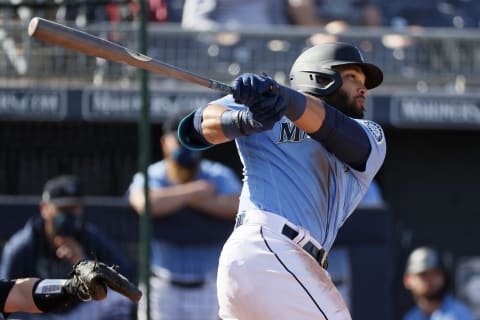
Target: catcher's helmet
315, 65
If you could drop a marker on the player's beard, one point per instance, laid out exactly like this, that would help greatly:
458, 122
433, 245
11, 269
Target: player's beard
340, 100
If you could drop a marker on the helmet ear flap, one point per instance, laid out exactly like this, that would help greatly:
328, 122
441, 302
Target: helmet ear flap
317, 83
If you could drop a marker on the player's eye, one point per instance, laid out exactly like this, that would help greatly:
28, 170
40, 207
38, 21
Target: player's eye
354, 77
350, 76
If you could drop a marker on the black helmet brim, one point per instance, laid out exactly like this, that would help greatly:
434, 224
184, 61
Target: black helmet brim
373, 74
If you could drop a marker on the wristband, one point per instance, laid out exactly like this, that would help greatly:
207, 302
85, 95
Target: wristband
237, 123
296, 102
48, 294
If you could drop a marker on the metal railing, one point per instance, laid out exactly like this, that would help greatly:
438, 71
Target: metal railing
415, 59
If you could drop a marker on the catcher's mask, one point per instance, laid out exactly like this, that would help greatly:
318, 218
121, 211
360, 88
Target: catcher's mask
312, 72
67, 224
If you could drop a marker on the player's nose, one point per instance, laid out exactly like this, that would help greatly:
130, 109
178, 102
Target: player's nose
363, 91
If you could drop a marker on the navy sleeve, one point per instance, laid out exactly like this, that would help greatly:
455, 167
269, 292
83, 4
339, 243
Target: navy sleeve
5, 287
344, 137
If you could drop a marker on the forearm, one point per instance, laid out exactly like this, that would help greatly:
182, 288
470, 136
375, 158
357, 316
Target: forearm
20, 297
312, 118
220, 206
169, 199
212, 129
163, 201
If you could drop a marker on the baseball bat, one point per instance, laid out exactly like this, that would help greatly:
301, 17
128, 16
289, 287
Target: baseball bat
74, 39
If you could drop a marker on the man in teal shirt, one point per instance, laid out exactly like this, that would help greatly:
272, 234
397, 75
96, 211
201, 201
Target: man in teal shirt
427, 279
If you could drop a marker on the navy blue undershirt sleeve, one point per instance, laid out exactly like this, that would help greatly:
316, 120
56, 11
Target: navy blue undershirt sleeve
344, 137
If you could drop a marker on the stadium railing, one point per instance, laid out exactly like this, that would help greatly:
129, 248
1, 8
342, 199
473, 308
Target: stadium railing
417, 59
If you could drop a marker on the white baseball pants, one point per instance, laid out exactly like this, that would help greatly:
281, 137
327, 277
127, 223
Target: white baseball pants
266, 276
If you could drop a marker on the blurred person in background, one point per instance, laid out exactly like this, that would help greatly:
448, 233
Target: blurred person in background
158, 11
432, 13
427, 278
193, 204
210, 14
50, 243
341, 13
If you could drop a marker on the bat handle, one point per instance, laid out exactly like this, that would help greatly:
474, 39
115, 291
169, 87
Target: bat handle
220, 86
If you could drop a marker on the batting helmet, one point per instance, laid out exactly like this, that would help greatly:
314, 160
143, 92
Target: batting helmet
315, 65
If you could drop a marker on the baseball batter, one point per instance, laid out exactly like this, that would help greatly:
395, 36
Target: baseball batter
308, 159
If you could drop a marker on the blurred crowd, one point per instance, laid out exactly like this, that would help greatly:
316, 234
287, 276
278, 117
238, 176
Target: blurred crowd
211, 13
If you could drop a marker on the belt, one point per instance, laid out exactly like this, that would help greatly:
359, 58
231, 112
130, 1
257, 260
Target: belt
319, 254
166, 275
187, 284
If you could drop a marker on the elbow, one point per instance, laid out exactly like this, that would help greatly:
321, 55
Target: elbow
137, 202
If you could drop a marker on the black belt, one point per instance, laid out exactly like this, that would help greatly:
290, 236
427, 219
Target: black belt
180, 283
320, 255
187, 284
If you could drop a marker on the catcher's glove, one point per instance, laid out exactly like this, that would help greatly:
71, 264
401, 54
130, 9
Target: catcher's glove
89, 280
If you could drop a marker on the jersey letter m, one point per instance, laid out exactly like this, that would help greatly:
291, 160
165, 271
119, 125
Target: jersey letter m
290, 133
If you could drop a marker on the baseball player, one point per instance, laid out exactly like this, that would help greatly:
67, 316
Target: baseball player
308, 159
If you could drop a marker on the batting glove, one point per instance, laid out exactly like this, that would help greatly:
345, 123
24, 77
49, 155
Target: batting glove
249, 89
261, 116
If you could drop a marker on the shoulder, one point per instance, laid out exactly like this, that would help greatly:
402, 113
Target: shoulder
373, 129
378, 150
156, 175
23, 237
460, 308
157, 169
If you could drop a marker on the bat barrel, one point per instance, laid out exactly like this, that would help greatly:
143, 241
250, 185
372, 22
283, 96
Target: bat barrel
74, 39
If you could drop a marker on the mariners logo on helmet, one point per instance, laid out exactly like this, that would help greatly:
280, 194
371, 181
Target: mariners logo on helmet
314, 70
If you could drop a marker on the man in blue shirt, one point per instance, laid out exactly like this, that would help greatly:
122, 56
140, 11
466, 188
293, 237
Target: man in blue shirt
193, 203
427, 279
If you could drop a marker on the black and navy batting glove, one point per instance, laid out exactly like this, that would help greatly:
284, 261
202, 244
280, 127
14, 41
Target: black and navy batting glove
249, 88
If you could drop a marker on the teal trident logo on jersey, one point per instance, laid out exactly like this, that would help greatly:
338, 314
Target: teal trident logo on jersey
290, 133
